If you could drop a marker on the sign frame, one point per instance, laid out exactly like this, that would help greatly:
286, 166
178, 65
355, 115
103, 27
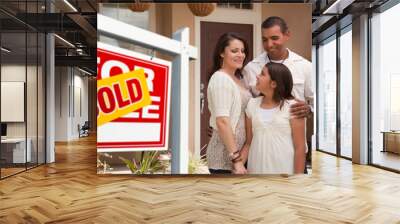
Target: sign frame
180, 49
124, 146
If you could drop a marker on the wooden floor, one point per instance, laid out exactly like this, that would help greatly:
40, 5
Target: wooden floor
5, 172
70, 191
10, 171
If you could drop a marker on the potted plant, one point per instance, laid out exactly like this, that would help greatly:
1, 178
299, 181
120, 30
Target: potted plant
148, 163
102, 163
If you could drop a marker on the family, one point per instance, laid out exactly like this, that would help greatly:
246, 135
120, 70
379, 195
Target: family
258, 109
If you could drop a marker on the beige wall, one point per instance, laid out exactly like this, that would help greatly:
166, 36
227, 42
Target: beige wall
298, 16
170, 18
183, 17
163, 19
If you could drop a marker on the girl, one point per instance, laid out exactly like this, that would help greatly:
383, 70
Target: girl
275, 141
227, 100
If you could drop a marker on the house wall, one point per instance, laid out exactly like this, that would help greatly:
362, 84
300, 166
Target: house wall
170, 18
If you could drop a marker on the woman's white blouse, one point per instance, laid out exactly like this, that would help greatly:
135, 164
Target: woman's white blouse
223, 99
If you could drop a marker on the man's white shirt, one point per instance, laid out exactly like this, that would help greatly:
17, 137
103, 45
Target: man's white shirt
300, 68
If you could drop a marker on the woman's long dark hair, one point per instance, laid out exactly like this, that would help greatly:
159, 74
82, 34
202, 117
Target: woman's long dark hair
284, 82
223, 42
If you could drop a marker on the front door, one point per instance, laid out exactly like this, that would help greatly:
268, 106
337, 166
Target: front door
210, 32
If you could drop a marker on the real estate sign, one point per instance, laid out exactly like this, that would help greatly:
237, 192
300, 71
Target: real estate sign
133, 100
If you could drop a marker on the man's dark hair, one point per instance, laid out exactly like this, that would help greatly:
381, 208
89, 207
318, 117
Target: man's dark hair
275, 21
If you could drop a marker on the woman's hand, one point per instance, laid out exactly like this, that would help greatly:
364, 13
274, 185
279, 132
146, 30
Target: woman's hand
238, 168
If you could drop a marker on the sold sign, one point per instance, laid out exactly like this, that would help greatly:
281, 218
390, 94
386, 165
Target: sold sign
120, 95
145, 128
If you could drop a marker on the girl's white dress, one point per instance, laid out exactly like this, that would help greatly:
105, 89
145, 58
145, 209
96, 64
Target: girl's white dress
271, 150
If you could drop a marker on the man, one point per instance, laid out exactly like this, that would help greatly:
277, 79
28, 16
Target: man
275, 35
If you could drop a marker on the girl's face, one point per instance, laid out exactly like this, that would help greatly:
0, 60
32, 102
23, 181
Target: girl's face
233, 55
264, 83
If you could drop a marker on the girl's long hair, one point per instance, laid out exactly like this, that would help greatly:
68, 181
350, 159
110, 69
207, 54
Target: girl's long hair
284, 82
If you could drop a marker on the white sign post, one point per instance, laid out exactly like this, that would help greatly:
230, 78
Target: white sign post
181, 50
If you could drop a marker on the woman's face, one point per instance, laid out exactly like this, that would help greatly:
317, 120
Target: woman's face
264, 83
233, 55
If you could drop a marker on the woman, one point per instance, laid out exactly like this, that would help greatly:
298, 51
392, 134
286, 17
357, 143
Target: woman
275, 140
227, 100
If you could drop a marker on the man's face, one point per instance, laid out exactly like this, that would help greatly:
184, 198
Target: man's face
274, 40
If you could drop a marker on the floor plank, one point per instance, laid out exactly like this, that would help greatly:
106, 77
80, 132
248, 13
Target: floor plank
70, 191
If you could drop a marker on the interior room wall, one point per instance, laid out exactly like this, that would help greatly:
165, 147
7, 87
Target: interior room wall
359, 91
41, 115
92, 103
32, 127
62, 113
70, 81
32, 110
79, 117
16, 73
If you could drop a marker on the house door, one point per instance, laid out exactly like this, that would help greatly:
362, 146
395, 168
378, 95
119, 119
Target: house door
210, 32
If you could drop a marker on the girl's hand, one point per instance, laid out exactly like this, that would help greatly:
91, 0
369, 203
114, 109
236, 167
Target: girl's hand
244, 153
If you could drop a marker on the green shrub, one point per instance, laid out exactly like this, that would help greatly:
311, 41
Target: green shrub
148, 164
